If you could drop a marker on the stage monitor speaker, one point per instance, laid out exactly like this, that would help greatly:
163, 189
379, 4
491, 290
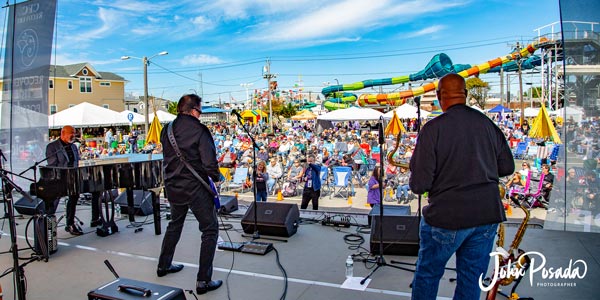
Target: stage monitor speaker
26, 207
44, 235
276, 219
400, 232
229, 204
395, 210
142, 202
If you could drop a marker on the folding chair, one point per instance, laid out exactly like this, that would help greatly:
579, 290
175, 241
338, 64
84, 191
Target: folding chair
239, 179
535, 199
532, 152
520, 151
324, 179
341, 180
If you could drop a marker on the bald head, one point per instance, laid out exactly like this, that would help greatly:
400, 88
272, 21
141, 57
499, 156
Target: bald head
67, 134
451, 91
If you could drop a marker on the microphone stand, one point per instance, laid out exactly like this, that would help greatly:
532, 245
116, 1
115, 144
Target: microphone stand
418, 102
19, 270
256, 234
379, 259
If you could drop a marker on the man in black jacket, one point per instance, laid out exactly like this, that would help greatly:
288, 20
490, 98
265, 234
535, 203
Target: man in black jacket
458, 160
63, 153
185, 191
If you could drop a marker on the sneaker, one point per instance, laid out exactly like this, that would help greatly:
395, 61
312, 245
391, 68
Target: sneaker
74, 230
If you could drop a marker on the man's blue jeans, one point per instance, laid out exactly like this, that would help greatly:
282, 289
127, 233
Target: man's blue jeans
472, 247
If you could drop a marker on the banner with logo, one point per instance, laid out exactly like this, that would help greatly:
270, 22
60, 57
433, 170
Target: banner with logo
24, 115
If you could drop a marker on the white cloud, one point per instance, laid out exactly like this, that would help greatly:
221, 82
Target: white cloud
200, 59
349, 18
110, 21
426, 31
138, 7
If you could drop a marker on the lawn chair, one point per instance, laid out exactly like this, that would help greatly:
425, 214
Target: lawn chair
535, 199
341, 180
520, 151
532, 152
238, 180
324, 180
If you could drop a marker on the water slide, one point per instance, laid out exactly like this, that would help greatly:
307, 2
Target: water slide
437, 67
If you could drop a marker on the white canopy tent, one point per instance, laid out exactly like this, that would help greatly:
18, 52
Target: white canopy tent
351, 114
137, 118
163, 116
531, 112
86, 115
571, 112
406, 111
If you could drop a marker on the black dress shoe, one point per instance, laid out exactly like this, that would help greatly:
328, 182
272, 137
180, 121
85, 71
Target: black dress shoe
206, 286
74, 230
160, 272
96, 223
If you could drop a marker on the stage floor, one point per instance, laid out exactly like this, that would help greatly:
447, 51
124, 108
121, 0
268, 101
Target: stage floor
314, 260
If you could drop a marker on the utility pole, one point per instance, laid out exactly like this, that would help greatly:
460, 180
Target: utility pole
519, 62
502, 87
268, 76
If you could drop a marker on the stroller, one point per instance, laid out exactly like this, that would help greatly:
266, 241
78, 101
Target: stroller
289, 189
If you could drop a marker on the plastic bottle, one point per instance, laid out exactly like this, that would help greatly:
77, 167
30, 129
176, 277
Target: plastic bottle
349, 267
117, 211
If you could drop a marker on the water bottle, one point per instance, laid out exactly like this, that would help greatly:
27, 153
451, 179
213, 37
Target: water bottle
117, 211
349, 267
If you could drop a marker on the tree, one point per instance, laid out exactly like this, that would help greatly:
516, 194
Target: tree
172, 108
534, 92
288, 110
478, 90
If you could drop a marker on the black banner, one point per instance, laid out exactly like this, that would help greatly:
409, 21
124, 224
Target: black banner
24, 122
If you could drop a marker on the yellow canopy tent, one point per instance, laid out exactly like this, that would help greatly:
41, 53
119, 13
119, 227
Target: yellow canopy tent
394, 127
154, 131
542, 127
304, 115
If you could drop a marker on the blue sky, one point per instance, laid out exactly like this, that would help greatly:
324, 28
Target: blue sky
309, 42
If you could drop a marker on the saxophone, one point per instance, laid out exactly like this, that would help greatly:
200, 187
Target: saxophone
516, 256
390, 155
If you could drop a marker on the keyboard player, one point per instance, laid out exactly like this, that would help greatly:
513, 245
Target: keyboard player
63, 153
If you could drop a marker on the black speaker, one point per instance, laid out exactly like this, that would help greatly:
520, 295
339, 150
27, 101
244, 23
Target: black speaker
229, 204
44, 235
400, 231
277, 219
396, 210
26, 207
142, 202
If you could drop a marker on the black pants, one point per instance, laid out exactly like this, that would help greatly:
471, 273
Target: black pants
203, 209
308, 194
96, 206
52, 207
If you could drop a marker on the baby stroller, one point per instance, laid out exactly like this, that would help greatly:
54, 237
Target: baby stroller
289, 189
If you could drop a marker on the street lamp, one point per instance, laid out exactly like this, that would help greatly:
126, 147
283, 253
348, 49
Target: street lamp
246, 86
146, 61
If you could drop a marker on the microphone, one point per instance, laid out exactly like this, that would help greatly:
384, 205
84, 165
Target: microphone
417, 100
237, 114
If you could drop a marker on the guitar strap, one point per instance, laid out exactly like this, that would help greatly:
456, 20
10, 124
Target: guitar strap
211, 188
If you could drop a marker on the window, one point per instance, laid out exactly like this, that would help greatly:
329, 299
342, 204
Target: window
51, 83
70, 84
53, 109
135, 110
104, 83
84, 71
85, 84
106, 106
